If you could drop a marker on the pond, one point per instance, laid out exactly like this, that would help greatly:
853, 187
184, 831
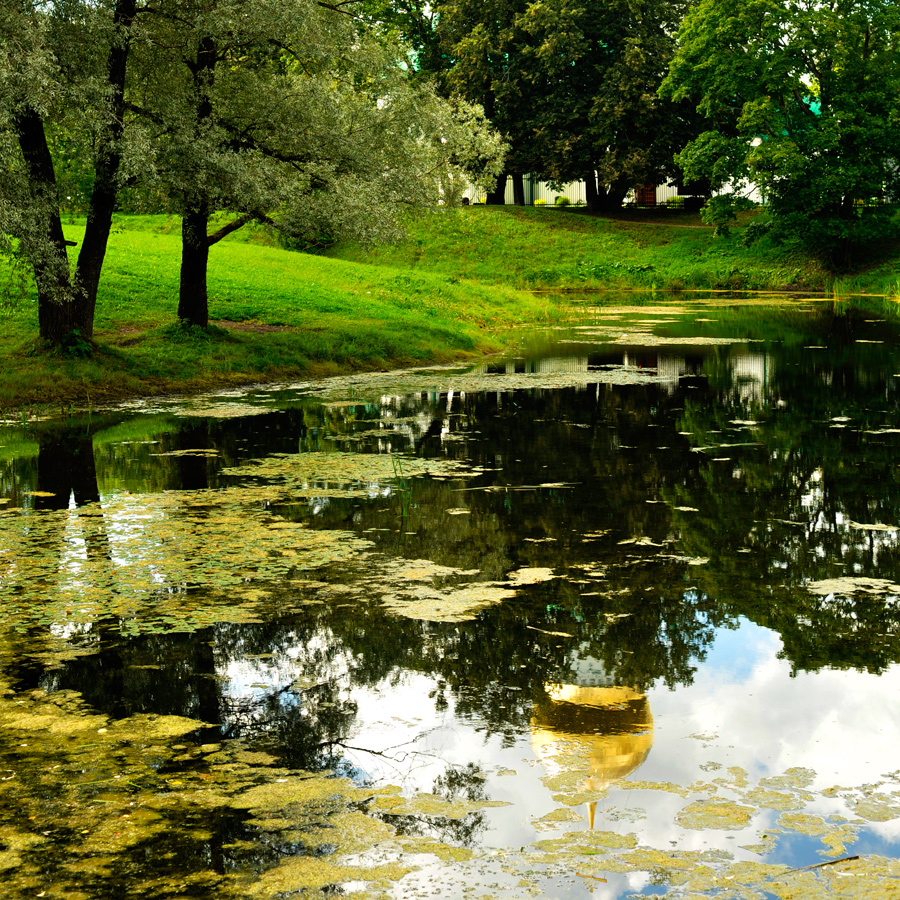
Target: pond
618, 615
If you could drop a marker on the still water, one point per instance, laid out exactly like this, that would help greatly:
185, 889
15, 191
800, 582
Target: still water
618, 615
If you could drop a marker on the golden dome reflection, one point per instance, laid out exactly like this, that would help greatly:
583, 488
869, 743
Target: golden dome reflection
593, 735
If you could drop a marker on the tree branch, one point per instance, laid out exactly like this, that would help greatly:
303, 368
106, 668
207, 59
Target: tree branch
225, 230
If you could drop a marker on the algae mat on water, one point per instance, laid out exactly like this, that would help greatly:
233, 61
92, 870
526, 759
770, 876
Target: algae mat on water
94, 807
162, 806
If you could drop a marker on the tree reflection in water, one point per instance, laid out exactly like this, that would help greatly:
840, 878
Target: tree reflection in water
726, 489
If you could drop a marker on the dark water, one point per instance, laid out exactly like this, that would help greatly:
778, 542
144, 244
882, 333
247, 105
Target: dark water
639, 581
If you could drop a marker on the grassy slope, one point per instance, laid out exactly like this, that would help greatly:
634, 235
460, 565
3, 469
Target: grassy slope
294, 315
569, 248
452, 289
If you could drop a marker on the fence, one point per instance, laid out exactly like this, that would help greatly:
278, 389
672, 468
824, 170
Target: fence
539, 193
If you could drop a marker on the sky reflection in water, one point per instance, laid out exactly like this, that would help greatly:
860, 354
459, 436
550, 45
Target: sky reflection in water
648, 563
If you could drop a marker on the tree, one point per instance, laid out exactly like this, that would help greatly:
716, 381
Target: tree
596, 66
291, 113
573, 87
297, 115
484, 45
803, 100
64, 62
415, 21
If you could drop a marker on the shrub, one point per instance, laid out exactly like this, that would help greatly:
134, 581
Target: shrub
540, 202
753, 232
562, 201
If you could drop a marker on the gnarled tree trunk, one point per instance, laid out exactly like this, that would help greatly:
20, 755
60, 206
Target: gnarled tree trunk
106, 174
56, 302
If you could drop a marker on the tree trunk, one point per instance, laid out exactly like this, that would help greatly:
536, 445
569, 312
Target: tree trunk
106, 174
518, 190
56, 308
591, 195
611, 198
497, 197
193, 305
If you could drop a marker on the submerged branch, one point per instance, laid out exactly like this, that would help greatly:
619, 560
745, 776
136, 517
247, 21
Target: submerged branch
831, 862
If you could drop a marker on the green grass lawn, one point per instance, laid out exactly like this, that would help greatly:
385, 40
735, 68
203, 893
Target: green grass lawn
535, 248
277, 314
457, 286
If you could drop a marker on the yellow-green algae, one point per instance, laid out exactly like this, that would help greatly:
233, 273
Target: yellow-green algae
766, 799
733, 803
88, 802
715, 813
300, 473
433, 805
877, 807
134, 556
184, 560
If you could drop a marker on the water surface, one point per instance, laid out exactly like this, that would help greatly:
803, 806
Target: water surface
616, 615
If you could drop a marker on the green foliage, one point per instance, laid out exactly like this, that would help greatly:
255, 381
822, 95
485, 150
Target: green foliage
562, 200
74, 346
572, 86
722, 211
755, 231
276, 314
304, 116
599, 271
802, 99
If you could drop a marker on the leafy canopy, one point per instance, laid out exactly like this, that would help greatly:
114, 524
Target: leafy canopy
803, 100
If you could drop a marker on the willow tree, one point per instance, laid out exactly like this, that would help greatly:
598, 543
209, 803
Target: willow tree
61, 64
294, 113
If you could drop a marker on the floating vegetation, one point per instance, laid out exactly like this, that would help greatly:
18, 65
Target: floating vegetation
648, 339
425, 591
431, 805
854, 585
713, 813
300, 474
143, 558
372, 387
458, 604
132, 793
201, 452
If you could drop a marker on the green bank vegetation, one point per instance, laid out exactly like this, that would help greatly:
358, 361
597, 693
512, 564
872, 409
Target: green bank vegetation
275, 315
669, 250
456, 287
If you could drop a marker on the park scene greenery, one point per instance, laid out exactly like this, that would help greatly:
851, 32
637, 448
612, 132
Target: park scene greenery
373, 527
178, 165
